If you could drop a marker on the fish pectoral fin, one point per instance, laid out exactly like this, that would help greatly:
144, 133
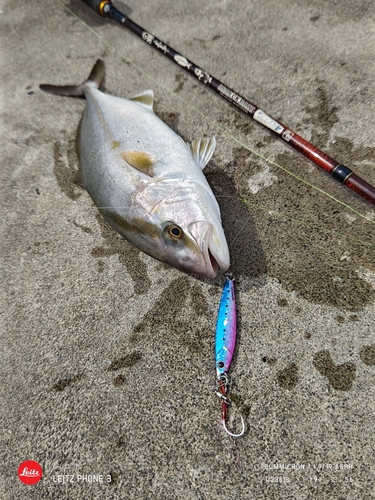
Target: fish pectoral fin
146, 98
144, 162
202, 150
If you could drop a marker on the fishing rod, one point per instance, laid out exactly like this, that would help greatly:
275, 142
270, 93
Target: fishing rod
338, 171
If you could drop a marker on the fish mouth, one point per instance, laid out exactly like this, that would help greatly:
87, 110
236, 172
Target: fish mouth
214, 257
214, 264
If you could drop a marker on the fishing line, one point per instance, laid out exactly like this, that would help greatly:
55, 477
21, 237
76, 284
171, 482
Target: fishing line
239, 231
299, 221
212, 122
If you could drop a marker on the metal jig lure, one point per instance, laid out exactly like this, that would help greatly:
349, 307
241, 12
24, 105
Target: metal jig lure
226, 330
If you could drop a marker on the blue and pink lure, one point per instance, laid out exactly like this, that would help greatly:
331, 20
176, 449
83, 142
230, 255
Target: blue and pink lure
226, 331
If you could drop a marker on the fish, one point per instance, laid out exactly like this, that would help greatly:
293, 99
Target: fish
145, 180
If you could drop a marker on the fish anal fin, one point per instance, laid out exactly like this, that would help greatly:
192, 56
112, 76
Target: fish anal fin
142, 161
202, 150
146, 98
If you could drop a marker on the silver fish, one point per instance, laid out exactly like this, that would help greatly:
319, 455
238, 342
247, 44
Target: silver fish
146, 181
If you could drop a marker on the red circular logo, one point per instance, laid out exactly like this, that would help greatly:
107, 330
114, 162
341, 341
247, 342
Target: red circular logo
30, 472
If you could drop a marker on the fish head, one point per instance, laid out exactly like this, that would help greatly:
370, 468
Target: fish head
194, 247
178, 222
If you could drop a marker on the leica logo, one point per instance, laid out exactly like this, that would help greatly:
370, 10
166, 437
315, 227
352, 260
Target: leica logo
27, 472
30, 472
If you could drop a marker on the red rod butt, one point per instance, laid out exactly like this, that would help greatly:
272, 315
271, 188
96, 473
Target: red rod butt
361, 187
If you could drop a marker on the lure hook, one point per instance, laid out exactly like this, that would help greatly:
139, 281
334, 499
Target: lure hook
227, 400
231, 433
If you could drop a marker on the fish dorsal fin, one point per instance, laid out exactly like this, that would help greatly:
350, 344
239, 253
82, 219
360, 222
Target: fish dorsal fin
202, 150
146, 98
144, 162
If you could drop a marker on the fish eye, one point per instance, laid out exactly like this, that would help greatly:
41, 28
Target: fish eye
175, 231
172, 233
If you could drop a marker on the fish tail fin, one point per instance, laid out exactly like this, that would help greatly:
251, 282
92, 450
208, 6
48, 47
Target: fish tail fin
95, 79
97, 73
